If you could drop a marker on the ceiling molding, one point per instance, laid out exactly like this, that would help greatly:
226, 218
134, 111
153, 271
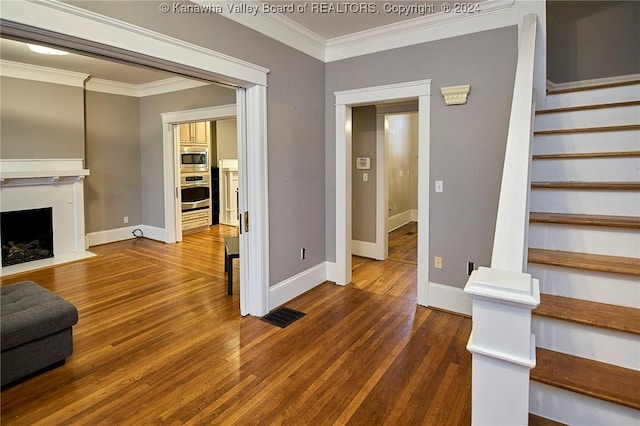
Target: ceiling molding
276, 26
69, 78
42, 74
172, 84
493, 14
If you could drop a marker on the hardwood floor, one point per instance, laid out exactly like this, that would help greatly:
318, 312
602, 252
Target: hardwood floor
160, 342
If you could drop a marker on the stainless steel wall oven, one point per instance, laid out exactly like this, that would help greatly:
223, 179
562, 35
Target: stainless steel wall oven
195, 192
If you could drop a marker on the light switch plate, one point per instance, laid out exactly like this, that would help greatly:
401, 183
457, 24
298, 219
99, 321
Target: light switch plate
365, 177
439, 186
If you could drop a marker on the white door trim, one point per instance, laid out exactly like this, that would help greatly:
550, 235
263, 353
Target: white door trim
171, 147
345, 100
69, 26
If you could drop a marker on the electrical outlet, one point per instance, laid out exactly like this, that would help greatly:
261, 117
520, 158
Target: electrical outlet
437, 262
303, 253
126, 219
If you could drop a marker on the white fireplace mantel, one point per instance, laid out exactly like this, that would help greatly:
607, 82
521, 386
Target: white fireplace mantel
55, 183
41, 172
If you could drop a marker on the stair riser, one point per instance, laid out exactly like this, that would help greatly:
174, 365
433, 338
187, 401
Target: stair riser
576, 409
602, 287
604, 345
628, 140
594, 97
619, 116
622, 203
585, 239
623, 169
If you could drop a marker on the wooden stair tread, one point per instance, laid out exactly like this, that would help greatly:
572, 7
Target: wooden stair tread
588, 130
593, 87
586, 219
542, 421
585, 312
592, 378
587, 107
616, 186
578, 155
591, 262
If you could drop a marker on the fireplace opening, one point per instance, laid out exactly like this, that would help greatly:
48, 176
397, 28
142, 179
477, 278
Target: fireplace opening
27, 235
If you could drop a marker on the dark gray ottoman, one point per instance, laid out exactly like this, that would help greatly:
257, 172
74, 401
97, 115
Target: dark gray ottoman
35, 329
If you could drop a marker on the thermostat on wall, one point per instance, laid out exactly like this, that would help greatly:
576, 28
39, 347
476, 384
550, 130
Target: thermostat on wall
363, 163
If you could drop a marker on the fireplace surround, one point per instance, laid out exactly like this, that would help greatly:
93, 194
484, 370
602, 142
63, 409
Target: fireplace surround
57, 184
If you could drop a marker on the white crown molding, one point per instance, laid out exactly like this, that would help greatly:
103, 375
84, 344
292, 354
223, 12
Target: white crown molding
493, 14
591, 82
277, 27
81, 24
42, 74
112, 87
172, 84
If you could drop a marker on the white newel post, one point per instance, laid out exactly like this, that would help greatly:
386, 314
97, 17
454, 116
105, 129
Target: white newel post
502, 345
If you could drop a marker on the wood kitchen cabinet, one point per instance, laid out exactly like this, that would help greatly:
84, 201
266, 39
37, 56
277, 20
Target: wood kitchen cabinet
197, 133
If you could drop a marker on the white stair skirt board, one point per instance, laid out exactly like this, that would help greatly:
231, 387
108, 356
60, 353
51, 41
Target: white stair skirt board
610, 169
628, 140
401, 219
365, 249
602, 287
615, 116
576, 409
623, 169
585, 239
448, 298
293, 287
594, 97
604, 345
622, 203
126, 233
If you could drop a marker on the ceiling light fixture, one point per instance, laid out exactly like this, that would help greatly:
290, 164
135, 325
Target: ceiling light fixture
45, 50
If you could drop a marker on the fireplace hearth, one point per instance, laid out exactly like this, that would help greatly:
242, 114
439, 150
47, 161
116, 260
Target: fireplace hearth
27, 235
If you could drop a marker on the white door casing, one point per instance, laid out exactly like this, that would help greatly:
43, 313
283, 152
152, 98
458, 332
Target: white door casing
69, 26
345, 100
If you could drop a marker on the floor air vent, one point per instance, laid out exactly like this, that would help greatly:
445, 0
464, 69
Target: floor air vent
282, 317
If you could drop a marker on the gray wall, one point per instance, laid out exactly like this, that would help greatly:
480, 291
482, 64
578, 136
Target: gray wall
40, 120
114, 187
295, 110
363, 199
151, 140
467, 142
592, 39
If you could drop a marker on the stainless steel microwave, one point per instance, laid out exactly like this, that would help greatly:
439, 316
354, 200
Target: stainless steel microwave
194, 159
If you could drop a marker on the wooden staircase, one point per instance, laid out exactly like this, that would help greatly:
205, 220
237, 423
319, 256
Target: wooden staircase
584, 241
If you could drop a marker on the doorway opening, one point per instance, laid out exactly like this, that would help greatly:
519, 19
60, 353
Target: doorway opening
346, 101
48, 24
385, 174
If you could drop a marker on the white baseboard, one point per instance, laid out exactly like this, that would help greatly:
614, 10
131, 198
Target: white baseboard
154, 233
449, 298
401, 219
331, 271
365, 249
126, 233
293, 287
